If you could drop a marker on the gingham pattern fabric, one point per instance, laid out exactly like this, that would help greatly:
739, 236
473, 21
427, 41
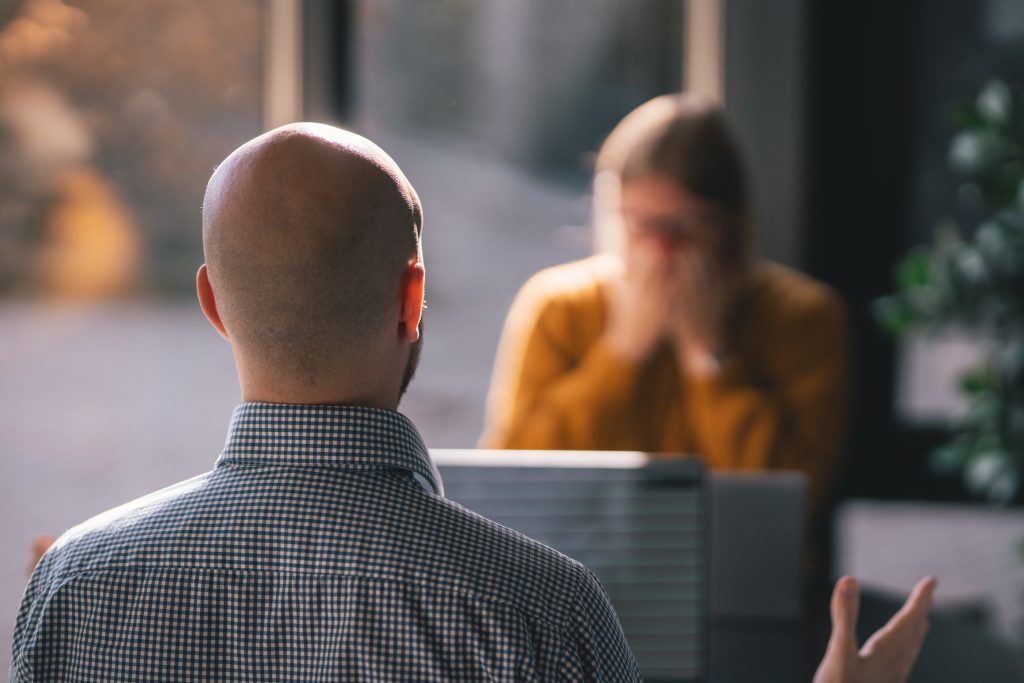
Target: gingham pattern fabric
318, 549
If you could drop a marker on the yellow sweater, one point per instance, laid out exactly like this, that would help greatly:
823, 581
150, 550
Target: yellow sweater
779, 401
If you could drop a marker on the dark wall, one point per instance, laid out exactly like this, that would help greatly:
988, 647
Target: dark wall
862, 108
883, 81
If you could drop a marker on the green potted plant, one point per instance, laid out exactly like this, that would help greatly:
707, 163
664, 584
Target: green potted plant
974, 280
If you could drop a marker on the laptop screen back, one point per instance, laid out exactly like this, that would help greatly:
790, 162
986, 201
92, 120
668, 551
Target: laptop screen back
639, 523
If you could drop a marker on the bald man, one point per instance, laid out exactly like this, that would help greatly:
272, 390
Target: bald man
320, 547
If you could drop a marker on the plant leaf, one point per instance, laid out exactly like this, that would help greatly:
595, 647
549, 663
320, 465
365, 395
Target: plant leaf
914, 270
972, 151
893, 315
977, 381
986, 469
995, 103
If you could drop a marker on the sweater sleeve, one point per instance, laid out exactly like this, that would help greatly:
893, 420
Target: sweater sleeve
546, 391
794, 420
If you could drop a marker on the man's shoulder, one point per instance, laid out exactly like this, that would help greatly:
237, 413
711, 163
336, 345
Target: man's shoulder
506, 566
548, 585
443, 546
113, 537
433, 542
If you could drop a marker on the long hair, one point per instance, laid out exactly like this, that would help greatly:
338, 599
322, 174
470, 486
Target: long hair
687, 139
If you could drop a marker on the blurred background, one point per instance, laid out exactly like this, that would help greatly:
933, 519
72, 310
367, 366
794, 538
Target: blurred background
871, 128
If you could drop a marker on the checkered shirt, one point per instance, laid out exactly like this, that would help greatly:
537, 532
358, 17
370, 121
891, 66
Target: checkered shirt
320, 548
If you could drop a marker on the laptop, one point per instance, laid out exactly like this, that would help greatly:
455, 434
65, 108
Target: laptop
673, 546
757, 544
638, 521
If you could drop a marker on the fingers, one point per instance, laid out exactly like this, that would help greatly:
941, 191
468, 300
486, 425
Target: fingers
845, 606
645, 256
40, 544
639, 311
894, 648
910, 624
649, 275
890, 653
681, 288
920, 600
700, 280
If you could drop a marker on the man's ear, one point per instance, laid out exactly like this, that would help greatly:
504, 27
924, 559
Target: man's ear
207, 302
411, 301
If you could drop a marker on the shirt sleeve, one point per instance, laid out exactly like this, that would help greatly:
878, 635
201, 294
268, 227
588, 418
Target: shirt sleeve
796, 419
546, 392
26, 626
595, 647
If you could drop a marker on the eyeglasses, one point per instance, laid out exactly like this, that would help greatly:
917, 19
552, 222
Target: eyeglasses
673, 231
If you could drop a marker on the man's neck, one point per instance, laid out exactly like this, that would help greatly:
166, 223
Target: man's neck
368, 383
377, 395
316, 398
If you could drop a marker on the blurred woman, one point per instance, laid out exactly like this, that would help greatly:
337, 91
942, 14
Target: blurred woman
675, 338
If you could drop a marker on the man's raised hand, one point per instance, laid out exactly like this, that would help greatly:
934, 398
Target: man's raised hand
889, 654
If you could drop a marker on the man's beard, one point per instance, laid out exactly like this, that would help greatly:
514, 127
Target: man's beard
412, 363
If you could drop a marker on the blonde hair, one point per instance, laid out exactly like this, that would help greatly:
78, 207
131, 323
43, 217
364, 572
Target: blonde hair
687, 139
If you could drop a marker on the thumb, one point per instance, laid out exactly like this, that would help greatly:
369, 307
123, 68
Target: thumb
845, 606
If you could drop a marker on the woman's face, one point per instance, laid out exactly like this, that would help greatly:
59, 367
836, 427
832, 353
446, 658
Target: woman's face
657, 212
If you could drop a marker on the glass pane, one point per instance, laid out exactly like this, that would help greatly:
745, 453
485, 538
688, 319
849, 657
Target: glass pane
495, 110
112, 115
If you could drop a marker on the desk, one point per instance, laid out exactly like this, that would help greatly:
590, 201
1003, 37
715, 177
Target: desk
770, 651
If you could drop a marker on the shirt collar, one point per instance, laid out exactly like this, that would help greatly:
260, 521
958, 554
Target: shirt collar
343, 437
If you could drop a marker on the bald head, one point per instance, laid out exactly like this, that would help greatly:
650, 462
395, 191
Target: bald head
307, 231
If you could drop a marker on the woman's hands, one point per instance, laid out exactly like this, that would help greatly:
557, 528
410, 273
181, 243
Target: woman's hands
668, 293
641, 305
